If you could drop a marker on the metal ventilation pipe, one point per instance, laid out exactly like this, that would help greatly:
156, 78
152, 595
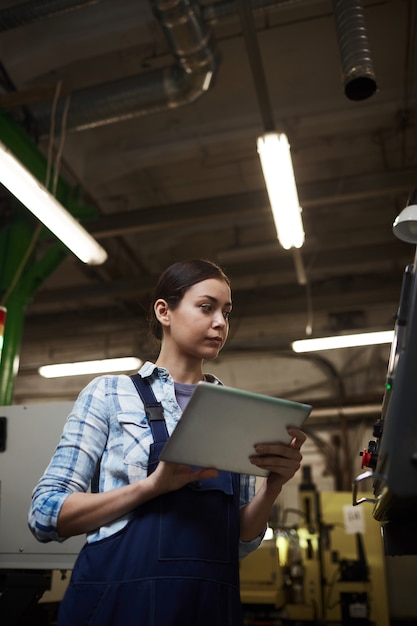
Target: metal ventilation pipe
187, 79
358, 73
27, 12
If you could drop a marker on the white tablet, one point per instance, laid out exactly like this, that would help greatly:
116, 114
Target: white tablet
220, 426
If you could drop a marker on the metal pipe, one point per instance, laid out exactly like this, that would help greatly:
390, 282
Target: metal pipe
256, 65
358, 72
192, 74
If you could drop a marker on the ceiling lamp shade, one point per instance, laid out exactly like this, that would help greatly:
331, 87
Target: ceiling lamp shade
101, 366
34, 196
343, 341
405, 224
277, 168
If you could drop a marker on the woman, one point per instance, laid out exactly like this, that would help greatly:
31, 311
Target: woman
163, 539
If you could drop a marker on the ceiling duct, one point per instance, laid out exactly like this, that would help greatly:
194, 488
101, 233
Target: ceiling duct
27, 12
183, 82
358, 73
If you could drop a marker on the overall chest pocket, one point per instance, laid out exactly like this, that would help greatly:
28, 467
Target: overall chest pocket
199, 522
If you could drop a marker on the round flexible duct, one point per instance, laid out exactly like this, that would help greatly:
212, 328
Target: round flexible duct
358, 73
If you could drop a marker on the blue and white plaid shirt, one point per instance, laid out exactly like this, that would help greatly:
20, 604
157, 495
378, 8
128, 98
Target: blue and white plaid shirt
105, 445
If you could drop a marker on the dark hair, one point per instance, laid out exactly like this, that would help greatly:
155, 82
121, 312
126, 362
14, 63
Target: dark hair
176, 280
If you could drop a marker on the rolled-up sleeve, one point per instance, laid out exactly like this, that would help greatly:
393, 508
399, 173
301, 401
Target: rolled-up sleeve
74, 462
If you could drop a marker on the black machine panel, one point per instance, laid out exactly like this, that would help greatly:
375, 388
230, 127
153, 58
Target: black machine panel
393, 454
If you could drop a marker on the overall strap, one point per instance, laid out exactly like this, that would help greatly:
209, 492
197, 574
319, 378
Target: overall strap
153, 409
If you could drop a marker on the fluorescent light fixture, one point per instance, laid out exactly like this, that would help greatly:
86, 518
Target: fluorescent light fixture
343, 341
30, 192
122, 364
275, 157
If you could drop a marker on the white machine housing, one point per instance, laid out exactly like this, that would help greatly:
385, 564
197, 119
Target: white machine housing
30, 438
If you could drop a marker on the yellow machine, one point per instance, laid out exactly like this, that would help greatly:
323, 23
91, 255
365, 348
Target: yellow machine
329, 569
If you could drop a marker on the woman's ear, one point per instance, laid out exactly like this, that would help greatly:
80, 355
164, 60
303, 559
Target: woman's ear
161, 309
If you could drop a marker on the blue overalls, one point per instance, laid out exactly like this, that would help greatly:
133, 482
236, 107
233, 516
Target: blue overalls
174, 564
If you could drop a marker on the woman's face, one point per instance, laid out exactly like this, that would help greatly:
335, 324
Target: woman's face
199, 325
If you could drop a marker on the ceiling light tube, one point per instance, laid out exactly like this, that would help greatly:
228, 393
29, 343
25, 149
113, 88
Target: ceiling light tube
33, 195
275, 157
102, 366
343, 341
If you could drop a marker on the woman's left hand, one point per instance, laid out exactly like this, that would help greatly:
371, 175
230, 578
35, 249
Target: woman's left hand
279, 459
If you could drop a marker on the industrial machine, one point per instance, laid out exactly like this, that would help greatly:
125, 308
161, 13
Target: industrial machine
391, 457
327, 569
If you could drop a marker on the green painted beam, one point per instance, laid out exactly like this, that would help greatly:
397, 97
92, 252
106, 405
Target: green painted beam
15, 239
9, 363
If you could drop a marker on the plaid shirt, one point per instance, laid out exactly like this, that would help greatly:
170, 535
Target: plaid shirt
105, 445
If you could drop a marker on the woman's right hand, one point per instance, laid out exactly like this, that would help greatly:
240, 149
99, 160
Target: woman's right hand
172, 476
